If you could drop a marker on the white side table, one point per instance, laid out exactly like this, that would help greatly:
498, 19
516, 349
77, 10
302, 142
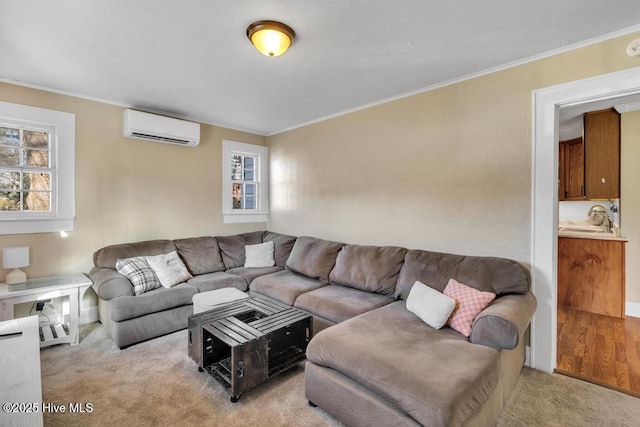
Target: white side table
16, 299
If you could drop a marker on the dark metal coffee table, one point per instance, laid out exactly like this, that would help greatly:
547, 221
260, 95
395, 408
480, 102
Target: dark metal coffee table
244, 343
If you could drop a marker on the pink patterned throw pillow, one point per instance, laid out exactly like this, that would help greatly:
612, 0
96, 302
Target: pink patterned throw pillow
469, 303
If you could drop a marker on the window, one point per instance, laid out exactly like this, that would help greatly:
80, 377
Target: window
25, 169
37, 170
245, 182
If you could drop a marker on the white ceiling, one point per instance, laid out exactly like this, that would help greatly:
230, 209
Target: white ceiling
192, 59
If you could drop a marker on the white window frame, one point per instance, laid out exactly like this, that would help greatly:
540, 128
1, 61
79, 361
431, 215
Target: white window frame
260, 153
61, 126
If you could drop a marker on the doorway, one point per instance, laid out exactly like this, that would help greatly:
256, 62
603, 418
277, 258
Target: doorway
595, 342
544, 207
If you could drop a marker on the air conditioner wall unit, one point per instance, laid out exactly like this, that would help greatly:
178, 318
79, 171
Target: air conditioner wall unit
153, 127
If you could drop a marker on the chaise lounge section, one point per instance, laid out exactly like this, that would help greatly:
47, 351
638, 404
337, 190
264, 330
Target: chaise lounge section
393, 369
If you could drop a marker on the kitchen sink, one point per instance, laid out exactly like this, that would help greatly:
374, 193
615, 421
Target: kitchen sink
583, 227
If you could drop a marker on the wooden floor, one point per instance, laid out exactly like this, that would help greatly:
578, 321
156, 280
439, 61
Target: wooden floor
600, 349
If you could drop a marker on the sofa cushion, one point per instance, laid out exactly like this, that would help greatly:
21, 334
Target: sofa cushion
313, 257
259, 255
284, 286
249, 273
369, 268
283, 245
160, 299
217, 280
200, 254
169, 268
107, 256
232, 247
431, 306
434, 375
139, 273
498, 275
339, 303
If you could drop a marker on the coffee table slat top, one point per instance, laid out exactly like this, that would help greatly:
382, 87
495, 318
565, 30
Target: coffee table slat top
224, 334
279, 320
227, 310
233, 308
267, 306
242, 328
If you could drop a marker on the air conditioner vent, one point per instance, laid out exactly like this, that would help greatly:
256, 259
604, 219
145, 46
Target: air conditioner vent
159, 138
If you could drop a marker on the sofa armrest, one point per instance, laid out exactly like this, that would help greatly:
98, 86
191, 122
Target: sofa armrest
502, 323
109, 284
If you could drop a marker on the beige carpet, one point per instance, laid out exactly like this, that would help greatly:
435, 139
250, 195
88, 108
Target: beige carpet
156, 384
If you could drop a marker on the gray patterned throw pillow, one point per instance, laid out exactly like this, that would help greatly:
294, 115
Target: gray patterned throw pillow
139, 273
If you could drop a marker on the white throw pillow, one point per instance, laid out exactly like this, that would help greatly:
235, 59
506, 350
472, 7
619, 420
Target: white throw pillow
433, 307
260, 255
169, 268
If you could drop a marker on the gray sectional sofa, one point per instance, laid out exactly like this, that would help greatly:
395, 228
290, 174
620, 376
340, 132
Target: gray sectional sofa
370, 361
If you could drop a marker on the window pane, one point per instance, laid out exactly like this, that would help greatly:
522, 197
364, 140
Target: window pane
36, 139
37, 181
9, 136
250, 202
237, 202
237, 196
250, 189
36, 158
236, 168
249, 168
9, 156
9, 180
9, 201
37, 201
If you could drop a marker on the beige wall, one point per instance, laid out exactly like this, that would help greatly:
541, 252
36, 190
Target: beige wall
630, 200
126, 189
447, 170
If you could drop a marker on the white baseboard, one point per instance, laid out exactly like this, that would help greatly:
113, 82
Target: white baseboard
527, 356
89, 315
632, 309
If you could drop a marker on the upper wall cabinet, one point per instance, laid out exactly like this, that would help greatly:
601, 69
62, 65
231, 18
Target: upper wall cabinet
571, 170
602, 154
590, 168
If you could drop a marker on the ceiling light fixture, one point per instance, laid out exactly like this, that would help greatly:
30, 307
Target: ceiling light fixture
271, 38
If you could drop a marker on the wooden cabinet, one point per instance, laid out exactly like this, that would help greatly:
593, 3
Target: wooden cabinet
571, 170
590, 168
591, 275
602, 154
